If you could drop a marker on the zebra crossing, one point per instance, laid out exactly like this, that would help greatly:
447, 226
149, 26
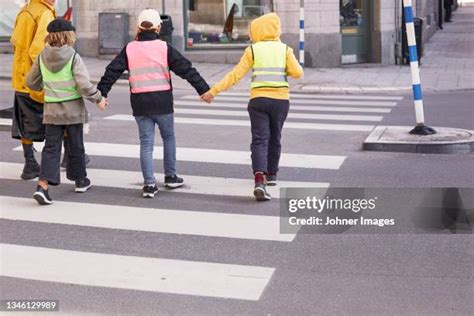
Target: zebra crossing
328, 113
350, 113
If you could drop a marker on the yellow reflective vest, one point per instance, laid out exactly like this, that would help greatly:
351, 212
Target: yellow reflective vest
269, 67
59, 86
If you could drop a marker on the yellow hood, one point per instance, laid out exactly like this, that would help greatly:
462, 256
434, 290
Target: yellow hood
265, 28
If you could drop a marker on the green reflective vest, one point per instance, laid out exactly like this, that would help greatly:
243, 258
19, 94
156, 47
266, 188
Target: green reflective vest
59, 86
269, 65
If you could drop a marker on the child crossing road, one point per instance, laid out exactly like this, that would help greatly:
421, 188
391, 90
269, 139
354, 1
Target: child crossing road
149, 61
271, 62
62, 73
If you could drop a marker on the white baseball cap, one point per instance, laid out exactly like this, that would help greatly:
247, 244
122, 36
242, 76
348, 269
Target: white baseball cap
149, 15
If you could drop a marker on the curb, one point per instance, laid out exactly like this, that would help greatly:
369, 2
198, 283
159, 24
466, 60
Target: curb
298, 89
397, 139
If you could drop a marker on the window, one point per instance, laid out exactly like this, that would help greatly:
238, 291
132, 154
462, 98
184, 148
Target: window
220, 23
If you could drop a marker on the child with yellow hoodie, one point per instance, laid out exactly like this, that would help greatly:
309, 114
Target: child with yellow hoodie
271, 62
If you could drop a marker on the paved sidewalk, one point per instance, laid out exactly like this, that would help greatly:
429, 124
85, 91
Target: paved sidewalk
447, 65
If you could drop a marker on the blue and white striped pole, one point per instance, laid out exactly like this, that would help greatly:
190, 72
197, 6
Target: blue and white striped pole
302, 33
420, 128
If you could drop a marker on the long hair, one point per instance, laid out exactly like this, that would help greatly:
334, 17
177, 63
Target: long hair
59, 39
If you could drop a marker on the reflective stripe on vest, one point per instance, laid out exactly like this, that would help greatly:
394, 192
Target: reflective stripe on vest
59, 86
269, 66
148, 66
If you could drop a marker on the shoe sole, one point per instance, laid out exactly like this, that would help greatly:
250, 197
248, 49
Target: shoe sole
149, 195
41, 199
83, 190
173, 185
260, 195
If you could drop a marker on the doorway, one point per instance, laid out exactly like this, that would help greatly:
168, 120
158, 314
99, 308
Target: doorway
355, 21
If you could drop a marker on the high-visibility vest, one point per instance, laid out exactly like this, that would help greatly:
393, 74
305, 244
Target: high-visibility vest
59, 86
269, 65
148, 66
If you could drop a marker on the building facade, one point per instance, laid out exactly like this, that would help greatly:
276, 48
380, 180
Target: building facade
336, 31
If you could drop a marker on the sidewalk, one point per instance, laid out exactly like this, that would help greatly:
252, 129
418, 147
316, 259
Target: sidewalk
447, 65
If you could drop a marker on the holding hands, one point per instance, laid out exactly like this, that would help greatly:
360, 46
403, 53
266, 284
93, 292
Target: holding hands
103, 104
207, 97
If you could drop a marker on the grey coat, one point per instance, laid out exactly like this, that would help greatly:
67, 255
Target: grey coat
69, 112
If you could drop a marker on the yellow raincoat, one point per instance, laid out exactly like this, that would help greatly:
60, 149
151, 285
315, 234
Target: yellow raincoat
264, 28
28, 41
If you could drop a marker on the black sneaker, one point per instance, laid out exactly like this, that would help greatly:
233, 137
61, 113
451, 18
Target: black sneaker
83, 185
271, 179
41, 196
149, 191
260, 192
173, 182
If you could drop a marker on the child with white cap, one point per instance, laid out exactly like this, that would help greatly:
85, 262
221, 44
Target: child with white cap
149, 61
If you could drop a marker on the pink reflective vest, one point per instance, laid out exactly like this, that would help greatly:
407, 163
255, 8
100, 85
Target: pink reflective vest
148, 66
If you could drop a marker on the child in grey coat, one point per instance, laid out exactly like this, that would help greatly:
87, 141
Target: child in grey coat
65, 79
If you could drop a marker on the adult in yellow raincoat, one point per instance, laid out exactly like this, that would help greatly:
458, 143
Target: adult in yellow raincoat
27, 39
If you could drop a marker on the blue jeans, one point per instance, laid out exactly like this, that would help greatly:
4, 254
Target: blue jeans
146, 129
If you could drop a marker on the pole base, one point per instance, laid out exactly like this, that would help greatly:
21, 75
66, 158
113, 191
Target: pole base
422, 130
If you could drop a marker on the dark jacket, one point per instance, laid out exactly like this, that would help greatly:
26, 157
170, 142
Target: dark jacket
159, 102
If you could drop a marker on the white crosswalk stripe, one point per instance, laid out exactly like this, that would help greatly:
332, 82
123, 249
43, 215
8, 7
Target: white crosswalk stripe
246, 123
210, 155
148, 220
194, 184
311, 102
136, 273
298, 108
5, 122
306, 116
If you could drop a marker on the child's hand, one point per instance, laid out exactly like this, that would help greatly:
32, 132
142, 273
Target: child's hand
103, 104
207, 97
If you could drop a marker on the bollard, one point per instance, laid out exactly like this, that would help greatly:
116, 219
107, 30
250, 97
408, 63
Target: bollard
302, 33
420, 128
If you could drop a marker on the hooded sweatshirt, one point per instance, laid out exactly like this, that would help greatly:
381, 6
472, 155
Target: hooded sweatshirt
264, 28
68, 112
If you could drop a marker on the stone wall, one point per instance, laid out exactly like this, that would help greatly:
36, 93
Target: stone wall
86, 19
322, 34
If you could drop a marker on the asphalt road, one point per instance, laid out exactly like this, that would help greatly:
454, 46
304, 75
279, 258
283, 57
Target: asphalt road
422, 271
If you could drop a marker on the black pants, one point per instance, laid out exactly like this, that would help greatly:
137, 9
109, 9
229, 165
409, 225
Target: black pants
266, 118
51, 156
27, 118
449, 13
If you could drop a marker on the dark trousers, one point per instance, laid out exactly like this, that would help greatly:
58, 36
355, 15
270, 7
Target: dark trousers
27, 118
266, 118
51, 156
449, 12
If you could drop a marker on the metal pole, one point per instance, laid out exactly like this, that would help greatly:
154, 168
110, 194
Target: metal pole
420, 128
302, 33
163, 7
